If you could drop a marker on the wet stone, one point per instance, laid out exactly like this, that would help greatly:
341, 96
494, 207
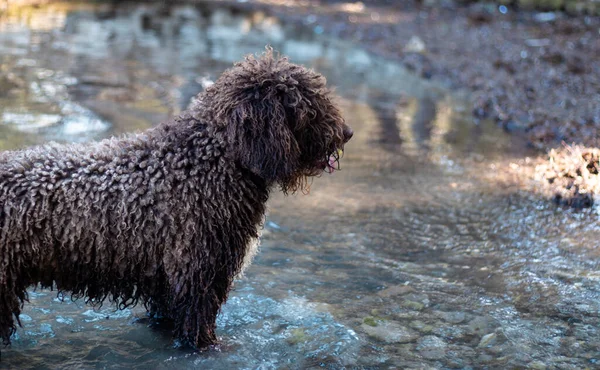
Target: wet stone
390, 332
415, 45
421, 326
297, 335
496, 350
418, 298
371, 321
412, 305
537, 365
484, 358
567, 342
407, 315
396, 291
25, 318
452, 317
404, 351
449, 332
432, 347
477, 326
487, 340
464, 351
417, 324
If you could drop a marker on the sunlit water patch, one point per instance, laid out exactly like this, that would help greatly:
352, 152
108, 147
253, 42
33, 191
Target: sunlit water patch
412, 256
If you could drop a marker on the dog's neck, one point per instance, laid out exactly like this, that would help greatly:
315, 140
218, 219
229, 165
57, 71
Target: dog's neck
189, 133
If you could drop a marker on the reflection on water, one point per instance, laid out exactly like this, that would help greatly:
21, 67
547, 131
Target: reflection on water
411, 257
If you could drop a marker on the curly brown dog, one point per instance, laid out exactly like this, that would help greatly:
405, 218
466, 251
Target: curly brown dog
168, 217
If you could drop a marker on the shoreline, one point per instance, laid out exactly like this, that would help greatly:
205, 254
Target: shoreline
534, 73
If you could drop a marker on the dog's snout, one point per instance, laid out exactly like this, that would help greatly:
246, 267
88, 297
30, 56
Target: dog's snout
348, 133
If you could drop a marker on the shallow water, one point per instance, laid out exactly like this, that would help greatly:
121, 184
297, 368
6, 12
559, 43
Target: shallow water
416, 255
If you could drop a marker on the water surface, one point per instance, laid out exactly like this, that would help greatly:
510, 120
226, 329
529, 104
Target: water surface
418, 254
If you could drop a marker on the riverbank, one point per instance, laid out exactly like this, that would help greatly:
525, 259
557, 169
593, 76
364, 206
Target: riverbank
535, 73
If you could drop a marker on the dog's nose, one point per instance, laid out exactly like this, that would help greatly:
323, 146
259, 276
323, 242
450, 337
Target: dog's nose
348, 133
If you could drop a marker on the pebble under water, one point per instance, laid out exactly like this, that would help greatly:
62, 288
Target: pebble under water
420, 253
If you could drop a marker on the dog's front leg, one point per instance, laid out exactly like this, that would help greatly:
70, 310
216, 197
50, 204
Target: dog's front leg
195, 321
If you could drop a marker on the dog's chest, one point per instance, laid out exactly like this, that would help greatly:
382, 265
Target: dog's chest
250, 252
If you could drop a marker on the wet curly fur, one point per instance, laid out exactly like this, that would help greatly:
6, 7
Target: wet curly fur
165, 217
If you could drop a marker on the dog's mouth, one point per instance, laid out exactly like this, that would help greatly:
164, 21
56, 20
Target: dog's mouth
332, 163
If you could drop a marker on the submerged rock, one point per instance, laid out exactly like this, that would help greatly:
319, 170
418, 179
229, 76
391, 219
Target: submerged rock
297, 335
412, 305
390, 332
396, 291
452, 317
432, 347
371, 321
537, 365
487, 340
478, 326
415, 45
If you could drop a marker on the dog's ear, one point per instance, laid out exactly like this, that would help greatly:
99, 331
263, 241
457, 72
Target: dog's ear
264, 104
262, 138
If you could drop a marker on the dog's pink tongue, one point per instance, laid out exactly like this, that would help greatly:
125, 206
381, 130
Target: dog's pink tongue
331, 164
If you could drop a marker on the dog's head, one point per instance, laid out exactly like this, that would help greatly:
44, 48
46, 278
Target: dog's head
279, 119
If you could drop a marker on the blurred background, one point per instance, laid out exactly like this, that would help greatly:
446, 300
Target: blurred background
462, 231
